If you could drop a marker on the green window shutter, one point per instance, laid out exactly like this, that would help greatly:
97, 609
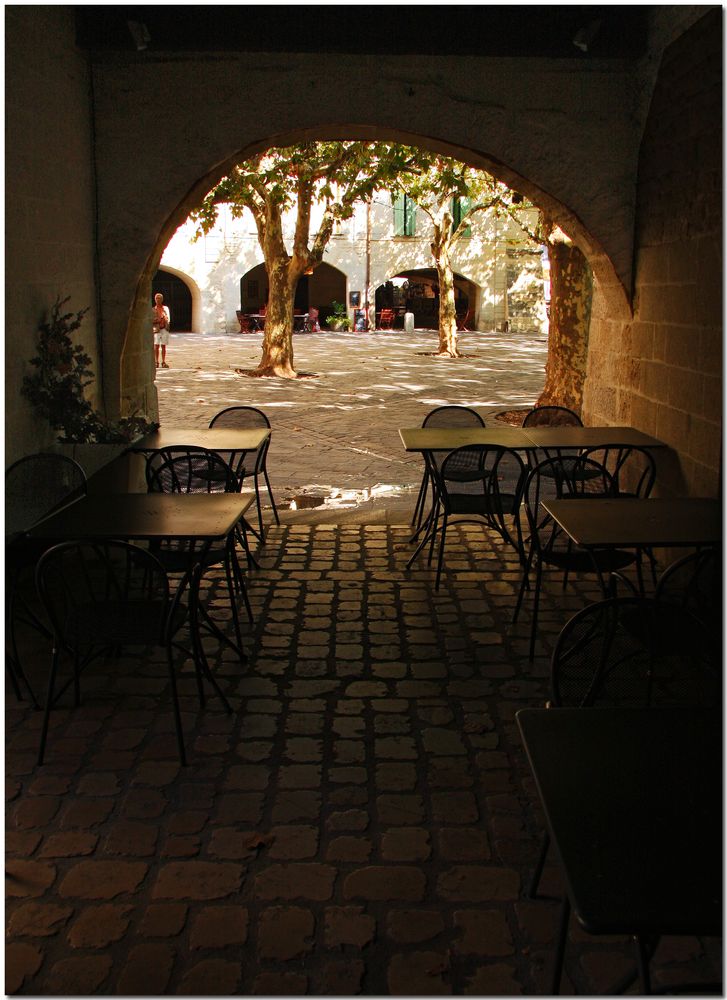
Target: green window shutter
399, 215
404, 216
410, 211
460, 208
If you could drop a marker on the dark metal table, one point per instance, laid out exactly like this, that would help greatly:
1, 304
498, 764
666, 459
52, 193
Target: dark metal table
633, 802
625, 522
524, 438
197, 518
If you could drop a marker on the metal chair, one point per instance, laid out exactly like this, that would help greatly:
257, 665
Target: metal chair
476, 482
100, 596
249, 463
386, 319
551, 416
35, 486
451, 416
198, 470
628, 652
549, 546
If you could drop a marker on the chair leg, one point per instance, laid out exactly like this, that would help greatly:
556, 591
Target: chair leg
259, 502
532, 892
270, 494
536, 608
48, 703
560, 945
175, 707
440, 557
642, 959
416, 519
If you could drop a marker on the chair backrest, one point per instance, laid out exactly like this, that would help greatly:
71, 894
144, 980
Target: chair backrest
244, 417
38, 484
552, 416
453, 416
633, 469
633, 652
110, 591
556, 479
485, 480
694, 582
189, 470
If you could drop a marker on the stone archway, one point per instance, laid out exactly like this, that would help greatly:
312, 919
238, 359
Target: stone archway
182, 295
136, 389
415, 290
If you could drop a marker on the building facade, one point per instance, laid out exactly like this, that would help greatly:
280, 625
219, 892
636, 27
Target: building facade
379, 258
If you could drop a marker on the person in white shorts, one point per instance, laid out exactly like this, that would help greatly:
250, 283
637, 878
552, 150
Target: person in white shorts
160, 323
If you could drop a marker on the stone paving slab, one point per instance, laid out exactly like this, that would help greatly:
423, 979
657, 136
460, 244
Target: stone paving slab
335, 435
363, 823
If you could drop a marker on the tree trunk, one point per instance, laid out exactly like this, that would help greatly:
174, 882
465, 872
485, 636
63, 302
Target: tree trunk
571, 286
447, 311
277, 347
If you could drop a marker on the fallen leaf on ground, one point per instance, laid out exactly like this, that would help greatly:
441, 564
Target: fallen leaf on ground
258, 840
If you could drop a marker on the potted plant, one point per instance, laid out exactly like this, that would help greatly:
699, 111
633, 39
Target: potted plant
56, 389
338, 319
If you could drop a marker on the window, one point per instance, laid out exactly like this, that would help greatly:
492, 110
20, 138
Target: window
404, 216
460, 208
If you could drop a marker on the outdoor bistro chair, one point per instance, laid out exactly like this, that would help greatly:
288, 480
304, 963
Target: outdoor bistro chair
628, 652
549, 546
443, 416
35, 486
99, 597
249, 463
198, 470
476, 482
551, 416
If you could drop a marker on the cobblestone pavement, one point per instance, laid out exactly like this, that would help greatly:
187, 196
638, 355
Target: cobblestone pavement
364, 821
335, 435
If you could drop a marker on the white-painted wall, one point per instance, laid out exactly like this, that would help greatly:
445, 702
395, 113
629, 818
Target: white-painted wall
216, 262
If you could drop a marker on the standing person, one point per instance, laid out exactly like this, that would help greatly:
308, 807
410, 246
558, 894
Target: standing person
160, 322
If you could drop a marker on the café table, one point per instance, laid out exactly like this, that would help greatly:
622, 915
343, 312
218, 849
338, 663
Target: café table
623, 522
633, 804
529, 439
428, 440
199, 519
220, 439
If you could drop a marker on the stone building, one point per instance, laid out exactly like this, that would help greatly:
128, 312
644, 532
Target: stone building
613, 126
371, 259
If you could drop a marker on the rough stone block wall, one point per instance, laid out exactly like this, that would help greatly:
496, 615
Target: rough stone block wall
48, 200
663, 371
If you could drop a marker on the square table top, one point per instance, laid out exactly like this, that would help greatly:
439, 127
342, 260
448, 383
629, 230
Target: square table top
523, 438
213, 438
450, 438
633, 802
623, 521
590, 437
195, 516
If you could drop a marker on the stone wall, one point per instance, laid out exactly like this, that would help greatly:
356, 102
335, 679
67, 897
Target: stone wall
563, 132
663, 371
49, 200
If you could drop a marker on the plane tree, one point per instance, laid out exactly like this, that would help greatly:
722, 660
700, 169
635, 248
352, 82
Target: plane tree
450, 193
329, 176
571, 294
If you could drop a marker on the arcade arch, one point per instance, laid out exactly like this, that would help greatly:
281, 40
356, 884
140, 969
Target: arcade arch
327, 284
183, 296
610, 285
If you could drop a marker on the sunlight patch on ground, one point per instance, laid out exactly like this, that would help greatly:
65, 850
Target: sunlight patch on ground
338, 498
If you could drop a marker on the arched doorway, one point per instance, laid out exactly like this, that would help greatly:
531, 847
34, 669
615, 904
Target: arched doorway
177, 296
417, 291
326, 285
